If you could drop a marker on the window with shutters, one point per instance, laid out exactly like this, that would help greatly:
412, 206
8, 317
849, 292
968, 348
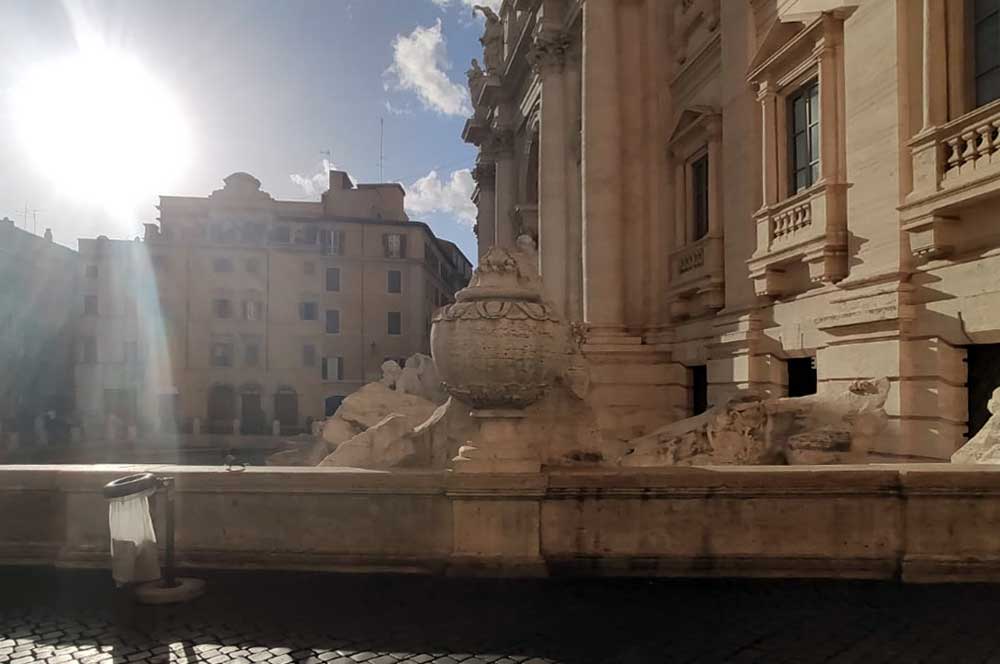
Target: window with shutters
333, 279
394, 323
333, 368
394, 245
308, 311
332, 321
308, 355
89, 305
332, 242
280, 234
253, 310
395, 281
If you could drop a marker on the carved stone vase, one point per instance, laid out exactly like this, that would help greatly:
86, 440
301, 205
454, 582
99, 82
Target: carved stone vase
498, 348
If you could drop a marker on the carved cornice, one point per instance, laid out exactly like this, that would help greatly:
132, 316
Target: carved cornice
497, 143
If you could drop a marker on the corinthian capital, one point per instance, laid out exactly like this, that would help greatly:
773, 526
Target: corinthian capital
548, 50
484, 174
497, 143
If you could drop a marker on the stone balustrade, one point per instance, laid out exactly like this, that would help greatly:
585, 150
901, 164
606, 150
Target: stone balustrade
972, 145
955, 166
690, 258
789, 220
917, 522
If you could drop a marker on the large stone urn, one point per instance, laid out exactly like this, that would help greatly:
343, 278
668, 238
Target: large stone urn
497, 349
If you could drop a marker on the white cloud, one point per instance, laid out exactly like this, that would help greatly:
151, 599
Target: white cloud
419, 65
315, 184
449, 196
492, 4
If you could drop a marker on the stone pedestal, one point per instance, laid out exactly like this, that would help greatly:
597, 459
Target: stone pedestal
499, 449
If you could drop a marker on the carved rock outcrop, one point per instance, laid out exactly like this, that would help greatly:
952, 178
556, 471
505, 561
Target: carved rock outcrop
386, 444
748, 430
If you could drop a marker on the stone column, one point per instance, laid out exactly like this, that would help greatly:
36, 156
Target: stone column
714, 135
484, 174
501, 151
935, 97
547, 55
603, 268
574, 193
768, 99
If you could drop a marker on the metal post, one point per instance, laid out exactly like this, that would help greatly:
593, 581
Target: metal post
168, 564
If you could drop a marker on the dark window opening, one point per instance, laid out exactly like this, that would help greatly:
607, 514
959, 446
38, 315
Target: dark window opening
394, 245
803, 137
332, 404
222, 355
395, 281
984, 376
222, 308
89, 305
986, 26
699, 193
699, 389
251, 355
308, 311
309, 355
395, 323
801, 376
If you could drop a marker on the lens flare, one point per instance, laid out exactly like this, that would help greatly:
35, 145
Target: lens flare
101, 128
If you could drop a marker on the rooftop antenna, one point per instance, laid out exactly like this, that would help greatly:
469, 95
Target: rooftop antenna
328, 154
381, 153
34, 215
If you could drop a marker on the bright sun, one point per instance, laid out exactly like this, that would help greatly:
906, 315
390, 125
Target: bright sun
101, 128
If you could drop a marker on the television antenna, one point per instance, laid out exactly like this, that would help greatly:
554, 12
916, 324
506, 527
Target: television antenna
381, 152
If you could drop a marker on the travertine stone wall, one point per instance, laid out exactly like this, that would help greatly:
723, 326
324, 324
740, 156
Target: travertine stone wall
882, 267
916, 522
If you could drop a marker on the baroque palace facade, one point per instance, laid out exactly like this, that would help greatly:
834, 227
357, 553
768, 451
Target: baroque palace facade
777, 195
239, 313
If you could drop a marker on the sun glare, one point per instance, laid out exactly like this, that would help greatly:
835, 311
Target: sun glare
101, 128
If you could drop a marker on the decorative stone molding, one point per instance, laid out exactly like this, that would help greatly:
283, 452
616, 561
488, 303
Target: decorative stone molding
690, 16
497, 143
697, 278
484, 174
498, 348
807, 226
548, 50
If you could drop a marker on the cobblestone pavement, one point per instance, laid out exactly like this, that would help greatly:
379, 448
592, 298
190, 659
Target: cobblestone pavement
76, 616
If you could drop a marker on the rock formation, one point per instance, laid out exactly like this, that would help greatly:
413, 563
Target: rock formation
374, 426
816, 429
984, 447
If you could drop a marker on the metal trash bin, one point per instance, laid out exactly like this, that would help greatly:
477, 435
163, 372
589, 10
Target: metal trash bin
134, 554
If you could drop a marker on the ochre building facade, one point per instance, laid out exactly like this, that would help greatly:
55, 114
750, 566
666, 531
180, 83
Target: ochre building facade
243, 314
776, 195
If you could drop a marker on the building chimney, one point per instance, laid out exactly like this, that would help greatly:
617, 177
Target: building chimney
48, 234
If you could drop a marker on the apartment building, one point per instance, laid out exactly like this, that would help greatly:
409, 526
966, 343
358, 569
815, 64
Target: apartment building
238, 313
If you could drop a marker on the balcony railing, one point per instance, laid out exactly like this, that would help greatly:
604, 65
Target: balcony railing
697, 278
955, 166
809, 227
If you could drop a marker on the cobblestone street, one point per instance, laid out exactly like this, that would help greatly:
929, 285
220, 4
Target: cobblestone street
76, 616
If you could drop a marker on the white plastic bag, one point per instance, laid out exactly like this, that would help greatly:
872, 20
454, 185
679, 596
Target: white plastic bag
133, 540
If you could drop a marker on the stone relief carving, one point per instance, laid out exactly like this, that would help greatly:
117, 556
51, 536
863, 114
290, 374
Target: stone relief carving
816, 429
984, 447
548, 49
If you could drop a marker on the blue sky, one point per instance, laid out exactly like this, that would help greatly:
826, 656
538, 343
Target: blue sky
263, 86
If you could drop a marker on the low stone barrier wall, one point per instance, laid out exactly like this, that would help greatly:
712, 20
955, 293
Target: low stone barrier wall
933, 522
